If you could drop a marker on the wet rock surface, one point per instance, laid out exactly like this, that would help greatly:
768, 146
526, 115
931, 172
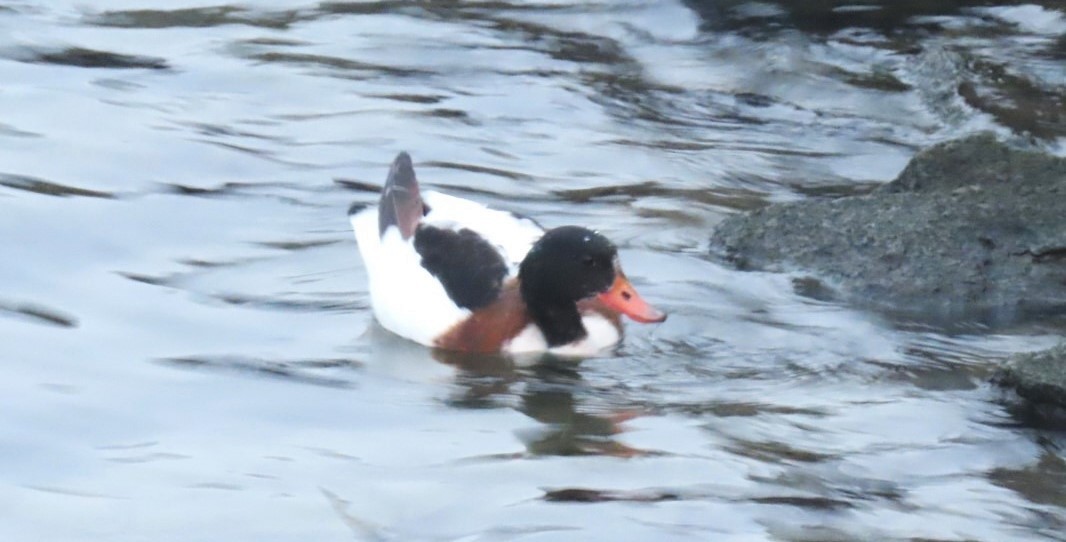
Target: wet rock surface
971, 229
1038, 376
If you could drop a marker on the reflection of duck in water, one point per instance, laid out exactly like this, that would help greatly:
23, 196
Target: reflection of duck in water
548, 393
568, 429
453, 274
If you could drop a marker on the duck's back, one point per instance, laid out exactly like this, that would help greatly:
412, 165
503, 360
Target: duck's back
455, 261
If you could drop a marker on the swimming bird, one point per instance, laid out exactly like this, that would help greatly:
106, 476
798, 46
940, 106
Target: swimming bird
454, 274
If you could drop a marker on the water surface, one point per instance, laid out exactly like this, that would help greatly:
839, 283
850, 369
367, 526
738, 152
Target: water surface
188, 348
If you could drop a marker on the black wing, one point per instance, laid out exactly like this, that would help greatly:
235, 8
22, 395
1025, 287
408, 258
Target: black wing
469, 267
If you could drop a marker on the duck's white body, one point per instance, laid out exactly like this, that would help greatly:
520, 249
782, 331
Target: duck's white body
602, 334
406, 299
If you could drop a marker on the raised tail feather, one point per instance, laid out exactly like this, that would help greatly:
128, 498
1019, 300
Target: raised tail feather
401, 204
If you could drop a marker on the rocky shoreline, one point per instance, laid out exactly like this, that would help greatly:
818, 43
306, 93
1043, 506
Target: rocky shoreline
971, 230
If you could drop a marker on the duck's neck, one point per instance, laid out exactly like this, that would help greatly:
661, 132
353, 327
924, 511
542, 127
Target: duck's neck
559, 321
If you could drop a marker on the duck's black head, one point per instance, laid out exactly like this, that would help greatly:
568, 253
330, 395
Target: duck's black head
569, 264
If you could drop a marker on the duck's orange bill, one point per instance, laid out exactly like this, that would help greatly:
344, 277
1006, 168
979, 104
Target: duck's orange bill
623, 298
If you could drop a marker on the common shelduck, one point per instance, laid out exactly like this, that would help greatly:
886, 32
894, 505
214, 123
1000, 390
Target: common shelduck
453, 274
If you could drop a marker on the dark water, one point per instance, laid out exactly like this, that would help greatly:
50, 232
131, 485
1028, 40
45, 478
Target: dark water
188, 352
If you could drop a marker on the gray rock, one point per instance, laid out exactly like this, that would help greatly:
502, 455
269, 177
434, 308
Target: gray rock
978, 160
970, 229
1038, 376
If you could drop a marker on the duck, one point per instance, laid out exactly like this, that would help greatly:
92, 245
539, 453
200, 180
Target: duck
453, 274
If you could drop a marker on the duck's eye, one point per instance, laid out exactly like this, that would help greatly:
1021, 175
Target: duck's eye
589, 261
